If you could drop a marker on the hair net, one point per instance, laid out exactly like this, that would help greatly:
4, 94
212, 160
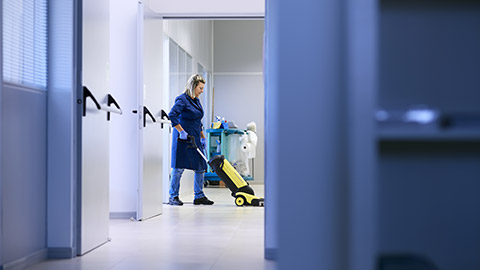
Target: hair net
193, 82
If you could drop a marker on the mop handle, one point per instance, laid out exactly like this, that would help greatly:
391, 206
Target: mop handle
201, 154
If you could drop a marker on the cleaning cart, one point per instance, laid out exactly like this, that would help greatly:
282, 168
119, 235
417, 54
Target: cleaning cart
218, 143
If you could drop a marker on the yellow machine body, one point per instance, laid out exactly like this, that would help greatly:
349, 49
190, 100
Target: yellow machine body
236, 178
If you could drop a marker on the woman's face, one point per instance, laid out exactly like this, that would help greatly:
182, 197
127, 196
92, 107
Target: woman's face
199, 89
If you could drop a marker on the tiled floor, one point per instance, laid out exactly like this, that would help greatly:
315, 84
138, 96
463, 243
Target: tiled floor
218, 237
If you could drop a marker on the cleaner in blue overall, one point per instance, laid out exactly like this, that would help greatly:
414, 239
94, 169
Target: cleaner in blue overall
186, 116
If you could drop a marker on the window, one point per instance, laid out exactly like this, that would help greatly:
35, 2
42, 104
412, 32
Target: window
207, 93
25, 42
173, 71
180, 69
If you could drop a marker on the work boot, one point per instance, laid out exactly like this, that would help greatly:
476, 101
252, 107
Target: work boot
203, 200
175, 201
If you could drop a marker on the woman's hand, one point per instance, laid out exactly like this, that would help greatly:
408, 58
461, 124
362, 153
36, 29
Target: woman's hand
204, 143
183, 135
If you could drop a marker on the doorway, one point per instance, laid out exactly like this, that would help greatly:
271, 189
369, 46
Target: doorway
229, 54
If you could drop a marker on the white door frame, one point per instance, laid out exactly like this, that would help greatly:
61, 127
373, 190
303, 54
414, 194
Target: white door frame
194, 15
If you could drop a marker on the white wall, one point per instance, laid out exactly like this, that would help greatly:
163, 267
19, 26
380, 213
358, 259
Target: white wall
195, 37
238, 46
238, 78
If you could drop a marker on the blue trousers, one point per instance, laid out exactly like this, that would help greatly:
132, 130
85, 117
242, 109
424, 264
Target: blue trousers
197, 183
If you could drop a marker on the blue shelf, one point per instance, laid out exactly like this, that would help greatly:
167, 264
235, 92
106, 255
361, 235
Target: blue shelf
219, 131
221, 135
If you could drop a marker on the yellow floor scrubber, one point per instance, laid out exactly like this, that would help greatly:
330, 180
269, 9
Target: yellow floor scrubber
241, 191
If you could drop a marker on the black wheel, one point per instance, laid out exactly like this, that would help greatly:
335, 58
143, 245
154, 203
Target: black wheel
240, 200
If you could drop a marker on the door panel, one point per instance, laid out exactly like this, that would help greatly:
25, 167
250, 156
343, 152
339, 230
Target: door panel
94, 191
150, 203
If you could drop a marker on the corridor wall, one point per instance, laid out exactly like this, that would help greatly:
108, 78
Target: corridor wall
24, 174
38, 177
23, 147
238, 74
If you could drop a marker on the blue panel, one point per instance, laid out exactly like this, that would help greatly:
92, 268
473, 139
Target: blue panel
305, 113
429, 54
429, 201
24, 149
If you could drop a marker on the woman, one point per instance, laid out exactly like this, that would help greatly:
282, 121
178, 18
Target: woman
186, 116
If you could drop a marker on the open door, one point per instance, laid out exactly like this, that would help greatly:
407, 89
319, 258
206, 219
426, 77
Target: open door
93, 190
150, 33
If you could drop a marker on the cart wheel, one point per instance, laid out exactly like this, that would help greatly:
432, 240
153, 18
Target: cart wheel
240, 200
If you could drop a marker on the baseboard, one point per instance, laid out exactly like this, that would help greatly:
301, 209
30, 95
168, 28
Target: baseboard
271, 254
26, 261
61, 253
123, 215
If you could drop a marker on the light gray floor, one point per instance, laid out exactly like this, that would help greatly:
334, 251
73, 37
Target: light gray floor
218, 237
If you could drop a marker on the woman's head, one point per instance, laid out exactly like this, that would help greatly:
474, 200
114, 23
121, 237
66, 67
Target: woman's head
195, 86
